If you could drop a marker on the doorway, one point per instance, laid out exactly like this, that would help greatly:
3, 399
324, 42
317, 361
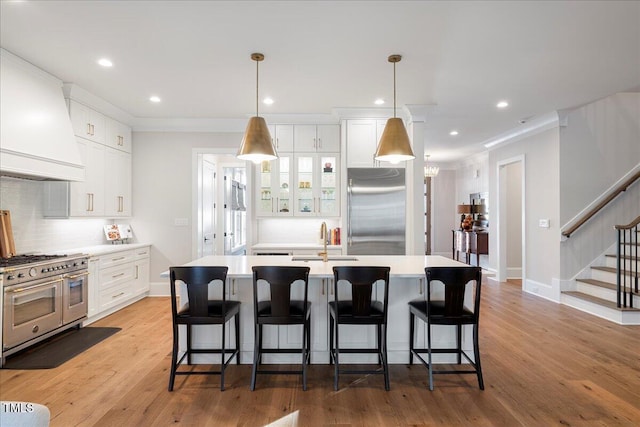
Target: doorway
511, 219
220, 205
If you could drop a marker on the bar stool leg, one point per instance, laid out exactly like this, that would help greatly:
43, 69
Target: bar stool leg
385, 360
476, 355
336, 351
430, 358
188, 344
459, 343
256, 356
330, 339
379, 332
222, 365
174, 357
411, 332
237, 320
305, 340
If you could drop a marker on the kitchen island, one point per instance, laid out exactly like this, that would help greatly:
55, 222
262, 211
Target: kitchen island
407, 282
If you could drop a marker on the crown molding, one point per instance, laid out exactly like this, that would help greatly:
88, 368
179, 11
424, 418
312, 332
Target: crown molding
536, 125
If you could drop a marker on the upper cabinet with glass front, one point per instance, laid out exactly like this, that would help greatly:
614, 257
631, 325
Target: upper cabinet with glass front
274, 187
316, 185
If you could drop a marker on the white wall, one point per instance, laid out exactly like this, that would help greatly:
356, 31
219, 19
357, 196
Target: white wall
443, 211
472, 177
162, 191
599, 145
32, 232
541, 175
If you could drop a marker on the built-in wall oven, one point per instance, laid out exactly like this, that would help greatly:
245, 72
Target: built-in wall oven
41, 297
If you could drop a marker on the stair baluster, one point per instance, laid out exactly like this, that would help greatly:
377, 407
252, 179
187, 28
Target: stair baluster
627, 265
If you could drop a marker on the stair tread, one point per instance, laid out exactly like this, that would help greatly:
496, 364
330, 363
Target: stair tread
599, 301
608, 269
599, 283
623, 257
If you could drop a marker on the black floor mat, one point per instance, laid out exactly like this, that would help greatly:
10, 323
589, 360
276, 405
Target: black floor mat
56, 350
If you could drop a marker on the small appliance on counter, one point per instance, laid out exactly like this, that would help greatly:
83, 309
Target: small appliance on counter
118, 233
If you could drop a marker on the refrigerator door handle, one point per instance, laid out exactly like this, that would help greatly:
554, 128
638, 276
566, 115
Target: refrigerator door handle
349, 239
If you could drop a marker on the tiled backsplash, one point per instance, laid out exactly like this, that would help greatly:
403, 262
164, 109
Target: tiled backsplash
34, 233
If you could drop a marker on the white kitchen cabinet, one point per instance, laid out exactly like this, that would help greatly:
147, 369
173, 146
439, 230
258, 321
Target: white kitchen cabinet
362, 138
316, 138
141, 271
117, 279
118, 135
87, 123
117, 183
282, 137
79, 198
317, 185
273, 195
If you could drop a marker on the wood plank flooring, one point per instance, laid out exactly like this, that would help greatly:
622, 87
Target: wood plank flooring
544, 364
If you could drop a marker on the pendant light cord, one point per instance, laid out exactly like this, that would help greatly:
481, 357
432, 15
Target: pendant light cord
394, 90
257, 96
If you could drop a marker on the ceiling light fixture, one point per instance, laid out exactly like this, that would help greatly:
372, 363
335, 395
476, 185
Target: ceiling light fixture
502, 104
379, 101
430, 171
394, 145
453, 133
267, 101
105, 62
154, 98
256, 145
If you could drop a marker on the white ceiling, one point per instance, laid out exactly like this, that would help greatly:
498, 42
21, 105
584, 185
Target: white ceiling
459, 58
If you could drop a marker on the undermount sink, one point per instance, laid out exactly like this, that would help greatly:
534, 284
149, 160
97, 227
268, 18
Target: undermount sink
319, 258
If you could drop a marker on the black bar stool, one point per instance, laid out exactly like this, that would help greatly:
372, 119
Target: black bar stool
362, 309
448, 311
280, 309
200, 310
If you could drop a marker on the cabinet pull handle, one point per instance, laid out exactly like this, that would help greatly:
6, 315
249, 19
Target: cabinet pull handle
323, 286
118, 295
421, 286
315, 143
117, 275
88, 202
233, 286
136, 272
278, 143
330, 287
92, 199
88, 128
319, 143
117, 259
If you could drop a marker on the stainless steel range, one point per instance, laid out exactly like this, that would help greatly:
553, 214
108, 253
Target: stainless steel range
43, 295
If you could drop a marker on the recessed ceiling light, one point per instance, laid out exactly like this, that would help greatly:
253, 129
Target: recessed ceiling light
453, 133
267, 101
502, 104
154, 98
379, 101
105, 62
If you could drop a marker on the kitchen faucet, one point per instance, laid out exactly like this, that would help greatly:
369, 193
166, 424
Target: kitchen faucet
323, 236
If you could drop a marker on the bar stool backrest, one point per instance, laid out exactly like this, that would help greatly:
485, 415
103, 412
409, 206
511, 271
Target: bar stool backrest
280, 279
362, 279
197, 279
455, 280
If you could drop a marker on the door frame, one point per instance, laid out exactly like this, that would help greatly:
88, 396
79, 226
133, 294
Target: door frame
501, 247
197, 155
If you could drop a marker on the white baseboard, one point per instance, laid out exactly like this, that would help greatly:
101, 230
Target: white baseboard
514, 272
159, 289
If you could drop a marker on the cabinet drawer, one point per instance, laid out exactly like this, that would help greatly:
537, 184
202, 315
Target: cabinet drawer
116, 258
114, 295
142, 253
115, 276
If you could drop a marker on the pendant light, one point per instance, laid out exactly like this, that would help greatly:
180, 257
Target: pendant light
394, 145
256, 145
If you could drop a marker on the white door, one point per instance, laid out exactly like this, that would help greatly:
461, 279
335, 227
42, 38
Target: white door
208, 210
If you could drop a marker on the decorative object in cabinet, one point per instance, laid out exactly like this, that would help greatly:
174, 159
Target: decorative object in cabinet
317, 189
87, 123
316, 138
274, 183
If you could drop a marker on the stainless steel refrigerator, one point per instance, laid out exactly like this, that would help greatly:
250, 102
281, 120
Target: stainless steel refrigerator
376, 222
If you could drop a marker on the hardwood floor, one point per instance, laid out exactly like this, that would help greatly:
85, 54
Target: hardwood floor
544, 364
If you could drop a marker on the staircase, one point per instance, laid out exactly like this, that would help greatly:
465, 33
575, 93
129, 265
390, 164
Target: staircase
598, 294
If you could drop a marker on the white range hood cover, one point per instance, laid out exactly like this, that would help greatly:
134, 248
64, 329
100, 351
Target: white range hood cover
36, 137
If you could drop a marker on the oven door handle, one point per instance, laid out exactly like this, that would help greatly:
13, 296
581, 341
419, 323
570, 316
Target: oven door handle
39, 285
75, 276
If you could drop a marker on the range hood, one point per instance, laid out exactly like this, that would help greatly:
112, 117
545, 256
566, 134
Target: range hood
36, 137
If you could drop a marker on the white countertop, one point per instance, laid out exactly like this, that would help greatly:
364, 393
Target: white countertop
402, 266
301, 246
97, 250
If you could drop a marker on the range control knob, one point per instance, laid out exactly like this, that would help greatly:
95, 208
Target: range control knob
20, 275
33, 272
10, 277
